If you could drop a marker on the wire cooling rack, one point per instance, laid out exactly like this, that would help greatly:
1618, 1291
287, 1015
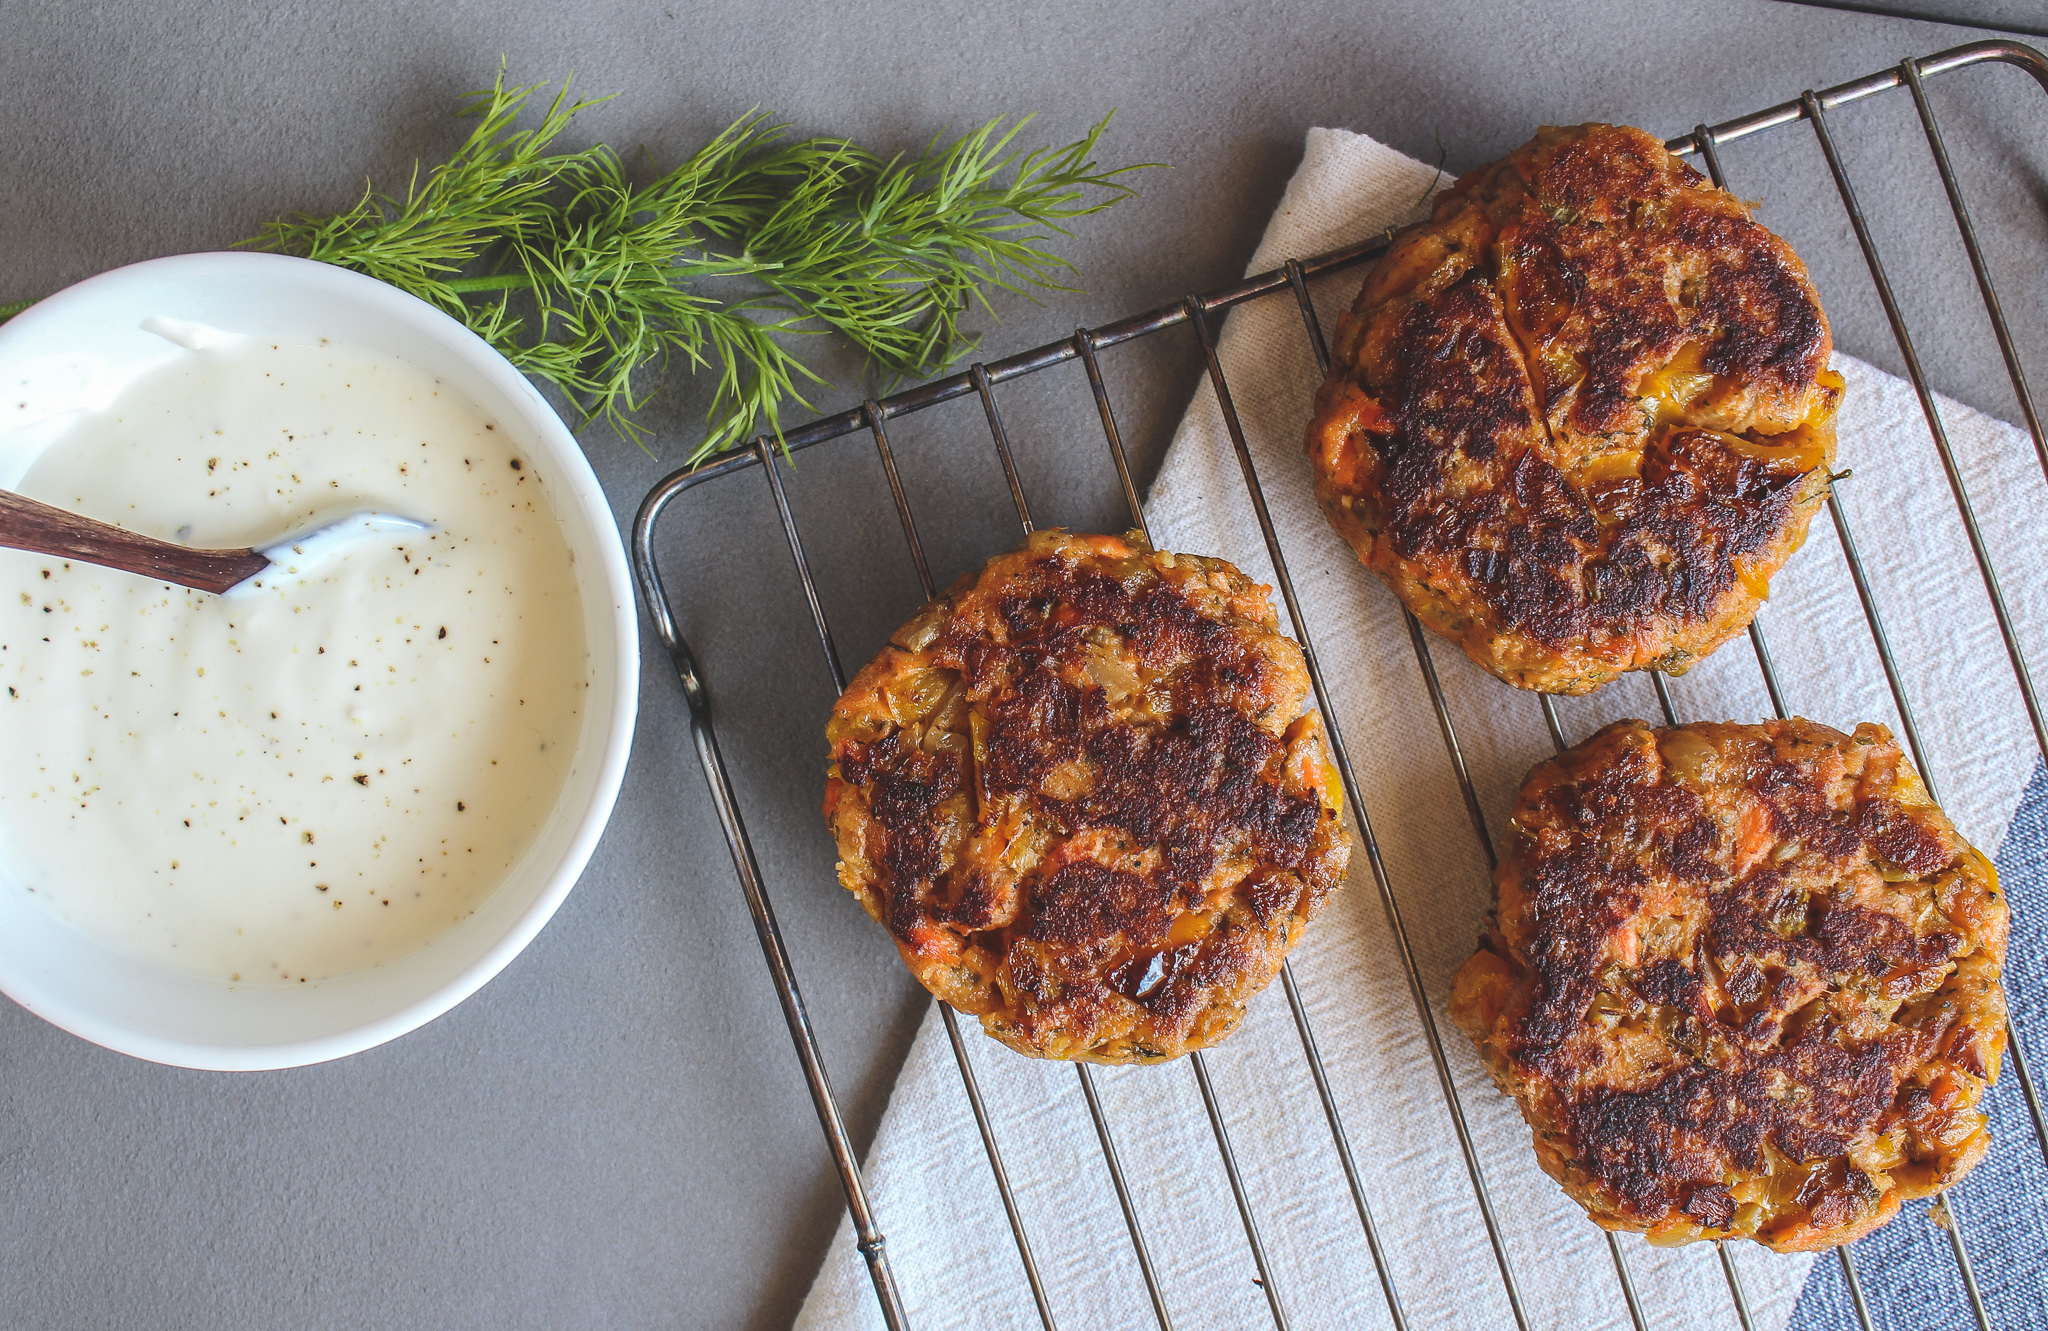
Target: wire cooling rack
872, 417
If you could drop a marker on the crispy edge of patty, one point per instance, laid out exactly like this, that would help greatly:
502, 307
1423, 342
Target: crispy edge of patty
1499, 469
1742, 981
1081, 794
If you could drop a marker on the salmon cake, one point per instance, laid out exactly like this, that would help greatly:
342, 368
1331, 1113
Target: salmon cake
1743, 981
1080, 792
1580, 417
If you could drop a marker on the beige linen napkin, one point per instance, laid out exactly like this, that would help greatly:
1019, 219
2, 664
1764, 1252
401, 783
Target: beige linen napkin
947, 1237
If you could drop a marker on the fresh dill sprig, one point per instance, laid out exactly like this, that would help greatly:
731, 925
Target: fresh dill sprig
588, 280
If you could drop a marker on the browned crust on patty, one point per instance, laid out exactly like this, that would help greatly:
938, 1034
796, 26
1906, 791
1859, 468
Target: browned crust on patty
1743, 981
1080, 791
1579, 418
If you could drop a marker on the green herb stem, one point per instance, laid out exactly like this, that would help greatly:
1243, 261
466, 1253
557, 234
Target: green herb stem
469, 286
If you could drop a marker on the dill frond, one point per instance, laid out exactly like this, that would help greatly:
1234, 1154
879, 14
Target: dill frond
893, 253
493, 190
583, 278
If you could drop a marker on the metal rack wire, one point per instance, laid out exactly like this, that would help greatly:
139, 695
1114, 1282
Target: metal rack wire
980, 381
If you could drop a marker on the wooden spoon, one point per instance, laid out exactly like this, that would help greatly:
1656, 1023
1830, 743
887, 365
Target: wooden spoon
26, 524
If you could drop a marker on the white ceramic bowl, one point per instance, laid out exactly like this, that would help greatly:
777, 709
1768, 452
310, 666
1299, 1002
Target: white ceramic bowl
80, 347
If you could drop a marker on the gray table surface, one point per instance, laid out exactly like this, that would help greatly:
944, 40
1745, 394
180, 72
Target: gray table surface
613, 1133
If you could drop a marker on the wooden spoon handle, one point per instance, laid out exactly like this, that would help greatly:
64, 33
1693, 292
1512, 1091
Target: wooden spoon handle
28, 525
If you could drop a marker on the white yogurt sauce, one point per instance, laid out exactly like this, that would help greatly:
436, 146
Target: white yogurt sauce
327, 772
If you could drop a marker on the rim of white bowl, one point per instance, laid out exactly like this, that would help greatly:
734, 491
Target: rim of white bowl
576, 485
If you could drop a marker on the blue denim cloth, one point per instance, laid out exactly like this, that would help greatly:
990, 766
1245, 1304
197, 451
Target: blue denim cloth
1907, 1269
